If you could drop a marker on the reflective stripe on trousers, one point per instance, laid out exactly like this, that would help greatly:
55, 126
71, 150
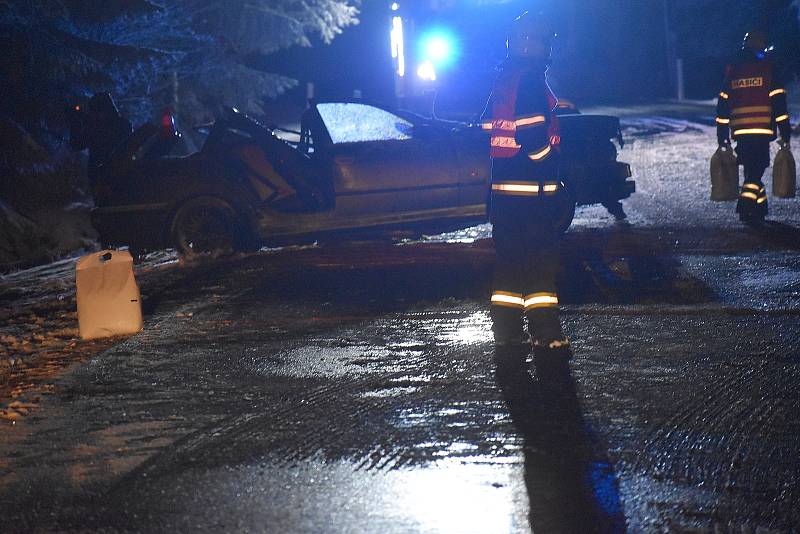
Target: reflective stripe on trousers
509, 299
541, 300
753, 193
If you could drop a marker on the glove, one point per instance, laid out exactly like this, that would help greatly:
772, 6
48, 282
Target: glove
784, 143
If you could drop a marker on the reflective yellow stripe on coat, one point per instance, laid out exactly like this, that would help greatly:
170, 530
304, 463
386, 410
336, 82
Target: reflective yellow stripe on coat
539, 155
754, 131
752, 120
504, 141
532, 120
525, 189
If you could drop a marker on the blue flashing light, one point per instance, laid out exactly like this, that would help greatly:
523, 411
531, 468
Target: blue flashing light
439, 47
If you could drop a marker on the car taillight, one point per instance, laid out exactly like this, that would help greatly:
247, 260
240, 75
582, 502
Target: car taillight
168, 123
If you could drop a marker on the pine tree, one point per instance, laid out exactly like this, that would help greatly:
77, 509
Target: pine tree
59, 50
219, 70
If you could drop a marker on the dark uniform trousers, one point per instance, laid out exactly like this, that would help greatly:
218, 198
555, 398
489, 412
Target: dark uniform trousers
526, 240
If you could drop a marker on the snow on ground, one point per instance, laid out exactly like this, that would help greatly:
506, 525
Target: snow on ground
43, 235
673, 177
39, 329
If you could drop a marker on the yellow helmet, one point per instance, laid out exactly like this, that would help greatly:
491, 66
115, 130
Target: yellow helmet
530, 37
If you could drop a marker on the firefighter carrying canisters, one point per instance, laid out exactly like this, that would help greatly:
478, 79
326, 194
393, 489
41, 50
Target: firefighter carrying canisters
751, 107
526, 192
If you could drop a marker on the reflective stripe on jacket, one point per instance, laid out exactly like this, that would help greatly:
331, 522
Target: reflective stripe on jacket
525, 189
503, 123
752, 102
503, 141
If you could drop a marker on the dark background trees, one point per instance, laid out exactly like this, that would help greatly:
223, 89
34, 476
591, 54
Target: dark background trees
192, 54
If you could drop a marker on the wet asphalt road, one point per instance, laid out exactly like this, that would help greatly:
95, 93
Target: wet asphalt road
355, 388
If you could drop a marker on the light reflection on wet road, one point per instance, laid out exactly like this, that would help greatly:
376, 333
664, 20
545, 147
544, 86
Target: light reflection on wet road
355, 388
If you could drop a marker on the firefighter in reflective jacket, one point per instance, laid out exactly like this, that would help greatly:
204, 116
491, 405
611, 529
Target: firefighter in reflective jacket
526, 192
752, 106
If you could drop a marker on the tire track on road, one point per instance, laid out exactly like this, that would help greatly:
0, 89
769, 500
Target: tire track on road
730, 441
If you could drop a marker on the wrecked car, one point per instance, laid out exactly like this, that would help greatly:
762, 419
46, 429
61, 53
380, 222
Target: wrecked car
356, 168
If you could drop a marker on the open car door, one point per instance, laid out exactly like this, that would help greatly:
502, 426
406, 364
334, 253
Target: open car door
380, 162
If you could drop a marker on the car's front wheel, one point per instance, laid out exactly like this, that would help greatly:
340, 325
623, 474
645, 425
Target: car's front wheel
565, 217
206, 226
566, 210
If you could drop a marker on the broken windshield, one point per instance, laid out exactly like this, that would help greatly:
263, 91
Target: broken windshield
358, 123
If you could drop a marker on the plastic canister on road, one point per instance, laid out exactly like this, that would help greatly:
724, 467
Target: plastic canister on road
784, 174
109, 303
724, 174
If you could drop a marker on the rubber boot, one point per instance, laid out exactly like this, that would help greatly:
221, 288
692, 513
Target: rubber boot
507, 327
545, 328
752, 210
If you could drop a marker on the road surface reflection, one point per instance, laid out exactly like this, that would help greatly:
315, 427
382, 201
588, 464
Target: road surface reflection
571, 483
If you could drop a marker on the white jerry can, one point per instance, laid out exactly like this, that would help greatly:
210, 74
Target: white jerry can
109, 303
784, 174
724, 174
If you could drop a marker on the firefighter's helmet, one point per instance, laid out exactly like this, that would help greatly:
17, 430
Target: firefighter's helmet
531, 37
755, 41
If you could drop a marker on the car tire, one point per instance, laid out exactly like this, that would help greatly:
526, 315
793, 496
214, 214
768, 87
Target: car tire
566, 212
207, 227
